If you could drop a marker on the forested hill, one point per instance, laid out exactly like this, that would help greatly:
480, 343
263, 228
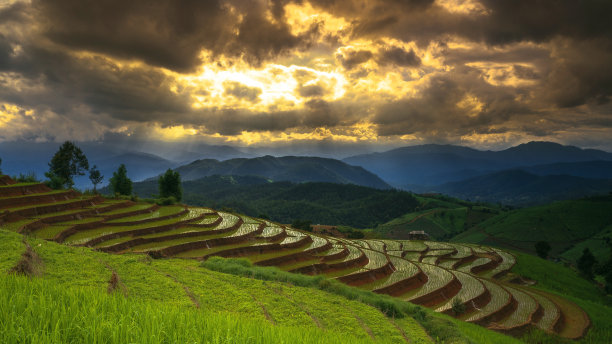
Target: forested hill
288, 168
325, 203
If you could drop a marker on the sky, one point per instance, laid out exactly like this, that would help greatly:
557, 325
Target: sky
487, 74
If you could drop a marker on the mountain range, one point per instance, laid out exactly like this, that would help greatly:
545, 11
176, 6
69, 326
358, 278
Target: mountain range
288, 168
438, 164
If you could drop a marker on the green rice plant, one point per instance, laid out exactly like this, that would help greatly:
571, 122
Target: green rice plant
396, 253
430, 260
41, 312
468, 267
49, 232
11, 248
527, 305
462, 251
413, 245
412, 256
376, 245
244, 229
228, 219
439, 252
471, 287
499, 297
136, 207
392, 245
437, 278
447, 263
271, 231
549, 308
375, 259
436, 245
206, 220
506, 264
15, 226
161, 211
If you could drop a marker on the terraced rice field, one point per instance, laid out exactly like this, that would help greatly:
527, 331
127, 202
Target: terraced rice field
417, 271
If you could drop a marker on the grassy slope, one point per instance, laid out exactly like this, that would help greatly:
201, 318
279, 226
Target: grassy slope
556, 278
63, 304
440, 216
563, 224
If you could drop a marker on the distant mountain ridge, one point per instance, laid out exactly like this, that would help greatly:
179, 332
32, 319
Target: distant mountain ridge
434, 164
521, 188
288, 168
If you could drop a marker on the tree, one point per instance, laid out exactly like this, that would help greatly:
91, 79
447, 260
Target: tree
542, 248
120, 183
304, 225
95, 176
170, 185
68, 161
586, 262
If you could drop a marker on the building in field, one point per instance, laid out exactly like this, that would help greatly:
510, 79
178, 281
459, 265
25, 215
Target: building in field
418, 235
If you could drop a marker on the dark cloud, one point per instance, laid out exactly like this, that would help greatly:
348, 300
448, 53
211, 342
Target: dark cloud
310, 91
352, 58
241, 91
580, 73
438, 110
169, 33
399, 57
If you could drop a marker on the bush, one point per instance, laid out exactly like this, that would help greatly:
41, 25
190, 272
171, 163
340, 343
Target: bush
458, 306
166, 201
26, 178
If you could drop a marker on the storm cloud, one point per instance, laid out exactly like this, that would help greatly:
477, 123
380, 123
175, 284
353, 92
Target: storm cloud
430, 70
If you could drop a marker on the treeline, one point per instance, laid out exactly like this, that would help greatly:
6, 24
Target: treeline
319, 203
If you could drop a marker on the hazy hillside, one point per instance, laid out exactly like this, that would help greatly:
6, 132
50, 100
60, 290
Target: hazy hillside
520, 188
438, 164
569, 227
289, 168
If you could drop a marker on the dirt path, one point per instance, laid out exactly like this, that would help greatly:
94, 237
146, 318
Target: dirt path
361, 322
392, 320
264, 310
299, 305
188, 291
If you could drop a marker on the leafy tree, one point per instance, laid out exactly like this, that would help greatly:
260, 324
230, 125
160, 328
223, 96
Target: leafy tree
95, 176
170, 185
68, 161
542, 248
120, 183
586, 262
302, 224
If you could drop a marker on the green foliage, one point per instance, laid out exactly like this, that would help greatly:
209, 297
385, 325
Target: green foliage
95, 176
166, 201
586, 263
68, 161
323, 203
55, 182
26, 178
120, 183
302, 224
170, 185
568, 226
542, 248
458, 306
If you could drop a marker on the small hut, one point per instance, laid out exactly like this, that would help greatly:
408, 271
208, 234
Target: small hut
418, 235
